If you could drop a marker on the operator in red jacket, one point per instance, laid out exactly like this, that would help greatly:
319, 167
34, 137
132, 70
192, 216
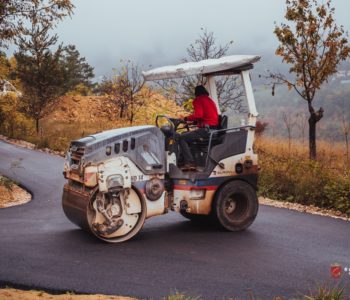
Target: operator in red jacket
206, 117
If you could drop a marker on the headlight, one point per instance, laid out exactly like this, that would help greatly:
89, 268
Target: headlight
114, 181
90, 176
197, 194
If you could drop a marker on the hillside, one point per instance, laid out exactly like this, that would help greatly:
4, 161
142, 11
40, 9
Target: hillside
78, 116
83, 109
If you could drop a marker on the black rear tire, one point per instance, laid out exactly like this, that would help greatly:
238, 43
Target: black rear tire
236, 205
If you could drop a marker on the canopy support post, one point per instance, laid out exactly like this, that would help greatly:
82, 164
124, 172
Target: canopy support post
211, 87
253, 114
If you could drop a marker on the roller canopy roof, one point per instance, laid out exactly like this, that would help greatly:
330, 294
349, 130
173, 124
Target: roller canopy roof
224, 65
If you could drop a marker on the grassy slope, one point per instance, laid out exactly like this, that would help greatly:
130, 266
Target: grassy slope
78, 116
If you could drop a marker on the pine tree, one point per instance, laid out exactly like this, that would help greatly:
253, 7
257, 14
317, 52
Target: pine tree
40, 71
77, 70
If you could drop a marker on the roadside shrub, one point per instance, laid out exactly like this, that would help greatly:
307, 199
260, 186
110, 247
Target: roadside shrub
81, 90
13, 123
43, 143
6, 182
337, 193
291, 176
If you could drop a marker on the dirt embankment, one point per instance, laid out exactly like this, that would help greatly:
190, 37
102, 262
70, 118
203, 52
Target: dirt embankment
93, 109
14, 294
11, 194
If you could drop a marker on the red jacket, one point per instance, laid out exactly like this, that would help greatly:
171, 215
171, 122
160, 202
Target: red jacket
205, 112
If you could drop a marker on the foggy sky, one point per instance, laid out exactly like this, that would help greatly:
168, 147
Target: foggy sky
157, 32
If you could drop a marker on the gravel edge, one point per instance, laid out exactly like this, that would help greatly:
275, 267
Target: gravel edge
310, 209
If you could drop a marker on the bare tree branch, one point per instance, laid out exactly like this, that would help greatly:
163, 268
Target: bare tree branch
205, 47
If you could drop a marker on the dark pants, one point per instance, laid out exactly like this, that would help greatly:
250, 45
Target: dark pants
187, 138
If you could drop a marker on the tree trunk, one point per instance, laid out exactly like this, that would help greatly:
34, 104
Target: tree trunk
12, 128
312, 137
314, 118
347, 148
37, 125
131, 119
121, 113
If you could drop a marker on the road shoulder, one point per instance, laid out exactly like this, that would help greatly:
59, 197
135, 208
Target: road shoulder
310, 209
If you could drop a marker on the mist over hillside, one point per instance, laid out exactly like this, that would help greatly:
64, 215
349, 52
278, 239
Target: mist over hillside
333, 97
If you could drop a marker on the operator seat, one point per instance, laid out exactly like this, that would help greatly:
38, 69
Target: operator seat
200, 147
217, 136
223, 121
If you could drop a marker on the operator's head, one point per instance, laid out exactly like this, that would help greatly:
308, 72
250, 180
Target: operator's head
200, 90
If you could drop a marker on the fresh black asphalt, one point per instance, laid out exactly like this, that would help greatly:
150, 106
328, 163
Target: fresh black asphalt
282, 254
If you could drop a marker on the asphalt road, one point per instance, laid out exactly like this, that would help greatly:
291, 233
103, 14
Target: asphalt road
282, 254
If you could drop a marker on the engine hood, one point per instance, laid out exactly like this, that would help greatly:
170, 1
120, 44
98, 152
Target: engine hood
144, 145
101, 139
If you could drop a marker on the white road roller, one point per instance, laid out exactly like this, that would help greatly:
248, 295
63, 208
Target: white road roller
119, 178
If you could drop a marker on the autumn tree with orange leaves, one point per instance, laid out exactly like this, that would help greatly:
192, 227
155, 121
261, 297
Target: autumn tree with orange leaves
314, 45
15, 14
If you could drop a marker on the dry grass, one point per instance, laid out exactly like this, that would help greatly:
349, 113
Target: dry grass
287, 174
14, 294
326, 291
332, 155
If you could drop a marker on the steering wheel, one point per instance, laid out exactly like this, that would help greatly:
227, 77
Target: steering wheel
174, 123
186, 126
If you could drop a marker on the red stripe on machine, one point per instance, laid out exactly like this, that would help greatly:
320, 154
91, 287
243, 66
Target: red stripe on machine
189, 187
